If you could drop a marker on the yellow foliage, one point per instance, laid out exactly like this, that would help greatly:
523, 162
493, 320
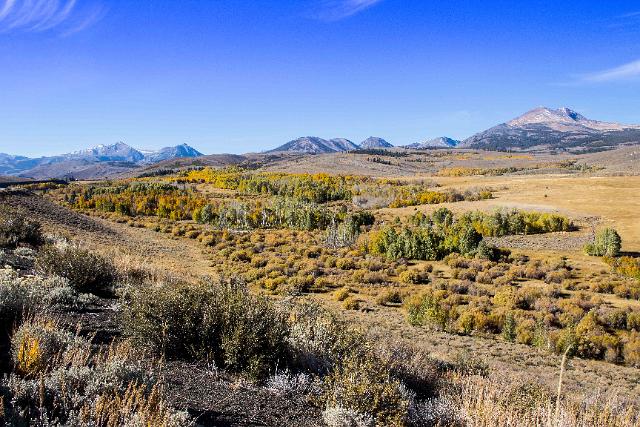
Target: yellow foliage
29, 360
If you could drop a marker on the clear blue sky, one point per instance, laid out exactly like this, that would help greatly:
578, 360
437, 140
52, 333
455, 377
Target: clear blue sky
238, 76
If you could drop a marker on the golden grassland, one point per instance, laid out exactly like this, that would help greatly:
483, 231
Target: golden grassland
615, 200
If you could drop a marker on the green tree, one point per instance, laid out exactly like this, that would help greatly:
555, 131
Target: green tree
606, 243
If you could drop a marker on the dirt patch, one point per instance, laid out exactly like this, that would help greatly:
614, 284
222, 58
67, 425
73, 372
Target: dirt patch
52, 215
543, 242
217, 399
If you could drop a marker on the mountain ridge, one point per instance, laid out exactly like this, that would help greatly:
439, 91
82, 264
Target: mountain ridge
119, 155
440, 142
315, 145
375, 142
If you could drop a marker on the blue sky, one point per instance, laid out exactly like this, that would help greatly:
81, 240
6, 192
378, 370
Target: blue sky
239, 76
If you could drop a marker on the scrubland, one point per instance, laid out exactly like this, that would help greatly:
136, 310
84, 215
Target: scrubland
235, 296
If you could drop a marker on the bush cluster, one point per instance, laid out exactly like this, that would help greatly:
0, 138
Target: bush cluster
504, 222
86, 271
221, 323
414, 198
607, 243
60, 379
16, 229
627, 266
432, 239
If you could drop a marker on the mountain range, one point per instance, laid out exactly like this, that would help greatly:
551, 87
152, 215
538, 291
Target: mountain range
316, 145
541, 129
88, 162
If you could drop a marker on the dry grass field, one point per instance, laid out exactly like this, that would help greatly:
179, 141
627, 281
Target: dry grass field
613, 200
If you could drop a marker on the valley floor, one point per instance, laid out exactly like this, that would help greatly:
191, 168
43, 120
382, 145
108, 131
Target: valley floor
187, 258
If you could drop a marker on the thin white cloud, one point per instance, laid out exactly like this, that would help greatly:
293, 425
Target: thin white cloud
45, 15
6, 8
630, 15
89, 21
335, 10
623, 72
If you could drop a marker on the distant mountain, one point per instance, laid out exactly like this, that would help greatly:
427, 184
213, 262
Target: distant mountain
548, 129
98, 161
441, 142
168, 153
341, 144
374, 142
316, 145
118, 152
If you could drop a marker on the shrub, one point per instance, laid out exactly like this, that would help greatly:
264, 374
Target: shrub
342, 294
593, 341
341, 417
287, 383
240, 256
36, 343
427, 310
219, 322
368, 277
16, 228
345, 264
633, 321
14, 299
607, 243
351, 303
365, 386
631, 350
526, 331
389, 296
79, 385
414, 277
300, 284
509, 328
318, 341
21, 295
87, 272
627, 266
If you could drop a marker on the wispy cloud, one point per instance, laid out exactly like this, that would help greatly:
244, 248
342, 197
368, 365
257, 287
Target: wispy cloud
627, 71
335, 10
630, 15
65, 16
627, 22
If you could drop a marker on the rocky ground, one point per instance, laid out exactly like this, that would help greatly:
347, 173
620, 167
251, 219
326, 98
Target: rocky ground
565, 241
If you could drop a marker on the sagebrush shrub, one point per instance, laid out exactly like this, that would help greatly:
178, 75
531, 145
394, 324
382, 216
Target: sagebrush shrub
219, 322
16, 228
414, 277
341, 417
36, 343
69, 382
87, 272
364, 385
14, 299
389, 296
